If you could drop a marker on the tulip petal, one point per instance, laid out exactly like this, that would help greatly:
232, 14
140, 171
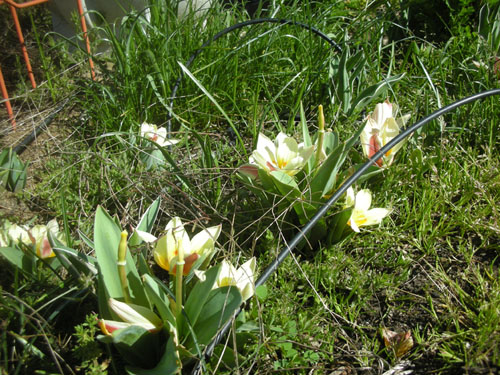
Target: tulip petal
135, 314
363, 200
204, 241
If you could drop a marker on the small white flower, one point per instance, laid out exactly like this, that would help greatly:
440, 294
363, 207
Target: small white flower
381, 127
243, 278
156, 134
361, 214
283, 154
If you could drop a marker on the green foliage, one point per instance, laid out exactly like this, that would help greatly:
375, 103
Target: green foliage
12, 171
87, 350
432, 268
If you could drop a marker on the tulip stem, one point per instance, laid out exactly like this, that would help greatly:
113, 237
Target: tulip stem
321, 136
178, 280
122, 263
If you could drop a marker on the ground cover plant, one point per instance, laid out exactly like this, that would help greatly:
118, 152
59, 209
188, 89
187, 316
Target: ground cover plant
207, 161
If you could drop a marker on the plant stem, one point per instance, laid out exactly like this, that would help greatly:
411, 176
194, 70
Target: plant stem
321, 136
122, 262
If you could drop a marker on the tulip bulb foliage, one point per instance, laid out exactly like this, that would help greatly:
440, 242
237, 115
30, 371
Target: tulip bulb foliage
159, 324
306, 174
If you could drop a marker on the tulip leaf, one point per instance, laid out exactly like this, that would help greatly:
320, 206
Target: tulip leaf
338, 224
307, 138
199, 295
146, 223
290, 190
372, 92
86, 239
168, 364
137, 346
158, 298
106, 241
266, 181
344, 89
286, 185
18, 258
330, 142
327, 173
219, 307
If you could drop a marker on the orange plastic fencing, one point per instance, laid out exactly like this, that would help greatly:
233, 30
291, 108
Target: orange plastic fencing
13, 10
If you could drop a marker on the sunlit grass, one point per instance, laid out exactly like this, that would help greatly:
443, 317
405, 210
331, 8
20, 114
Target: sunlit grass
431, 267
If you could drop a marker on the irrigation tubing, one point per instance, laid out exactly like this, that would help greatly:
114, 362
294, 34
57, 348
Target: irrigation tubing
232, 28
334, 198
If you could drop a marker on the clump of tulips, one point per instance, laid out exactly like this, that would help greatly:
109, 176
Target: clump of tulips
27, 247
306, 174
157, 327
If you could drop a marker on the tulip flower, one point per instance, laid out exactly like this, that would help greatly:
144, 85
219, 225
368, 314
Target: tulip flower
156, 134
243, 278
168, 246
284, 154
132, 315
38, 236
13, 232
361, 214
381, 127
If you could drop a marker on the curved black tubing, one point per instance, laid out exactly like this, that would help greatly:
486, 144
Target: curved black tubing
236, 27
335, 197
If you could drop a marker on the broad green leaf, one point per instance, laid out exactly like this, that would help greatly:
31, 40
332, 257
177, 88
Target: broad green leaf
307, 138
266, 181
146, 223
138, 346
158, 298
199, 295
330, 142
338, 224
344, 89
106, 241
219, 307
327, 173
18, 258
371, 93
168, 365
286, 185
86, 239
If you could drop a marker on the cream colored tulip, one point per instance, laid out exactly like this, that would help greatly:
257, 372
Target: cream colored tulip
156, 134
361, 214
381, 127
168, 246
243, 278
284, 154
132, 315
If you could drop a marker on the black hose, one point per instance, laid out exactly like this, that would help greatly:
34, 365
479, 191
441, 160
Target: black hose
32, 136
334, 198
236, 27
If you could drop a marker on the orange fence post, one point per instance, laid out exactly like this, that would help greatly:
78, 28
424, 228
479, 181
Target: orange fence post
13, 9
5, 96
23, 45
86, 37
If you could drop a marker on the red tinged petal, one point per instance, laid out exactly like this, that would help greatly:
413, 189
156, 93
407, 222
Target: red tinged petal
374, 148
188, 263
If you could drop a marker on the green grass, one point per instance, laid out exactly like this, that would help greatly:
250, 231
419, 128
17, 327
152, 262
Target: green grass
431, 267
